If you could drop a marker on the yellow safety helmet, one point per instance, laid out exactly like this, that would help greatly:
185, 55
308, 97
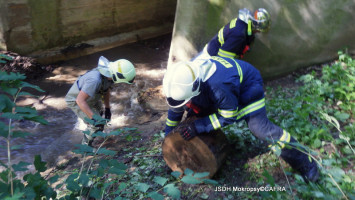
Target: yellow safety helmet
122, 71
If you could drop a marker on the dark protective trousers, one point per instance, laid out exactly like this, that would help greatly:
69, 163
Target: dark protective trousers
263, 128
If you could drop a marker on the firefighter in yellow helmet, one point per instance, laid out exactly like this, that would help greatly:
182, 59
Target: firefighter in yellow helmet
86, 94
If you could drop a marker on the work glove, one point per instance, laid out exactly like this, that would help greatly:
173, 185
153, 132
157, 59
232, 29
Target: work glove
108, 113
188, 132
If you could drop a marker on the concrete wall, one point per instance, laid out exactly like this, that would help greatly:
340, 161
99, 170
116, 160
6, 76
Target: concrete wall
53, 30
303, 32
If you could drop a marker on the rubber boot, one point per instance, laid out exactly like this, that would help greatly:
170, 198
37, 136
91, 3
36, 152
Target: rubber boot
300, 162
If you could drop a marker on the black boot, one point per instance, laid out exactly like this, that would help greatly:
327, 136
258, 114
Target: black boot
300, 162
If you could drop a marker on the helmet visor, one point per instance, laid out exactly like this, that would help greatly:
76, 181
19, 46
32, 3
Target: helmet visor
174, 103
131, 81
117, 76
195, 90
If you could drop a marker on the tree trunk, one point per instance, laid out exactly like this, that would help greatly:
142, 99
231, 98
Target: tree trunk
204, 153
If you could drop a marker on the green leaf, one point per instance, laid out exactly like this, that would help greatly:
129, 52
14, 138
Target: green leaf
277, 150
342, 116
115, 170
84, 179
11, 91
9, 115
210, 181
15, 147
142, 187
190, 180
172, 191
87, 132
129, 129
28, 85
269, 178
328, 162
107, 152
120, 188
20, 134
39, 165
99, 134
116, 132
39, 119
188, 171
155, 196
71, 184
201, 174
337, 173
117, 164
317, 143
160, 180
6, 57
6, 104
26, 94
82, 148
16, 196
176, 174
95, 193
318, 194
104, 163
4, 76
28, 116
347, 150
53, 179
21, 166
204, 196
22, 109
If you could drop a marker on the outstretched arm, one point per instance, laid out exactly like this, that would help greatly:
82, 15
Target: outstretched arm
81, 101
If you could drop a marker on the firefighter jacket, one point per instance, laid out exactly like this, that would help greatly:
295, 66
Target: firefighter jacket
232, 40
232, 93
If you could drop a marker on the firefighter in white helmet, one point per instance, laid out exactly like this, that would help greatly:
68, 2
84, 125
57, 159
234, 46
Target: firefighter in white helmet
235, 38
86, 94
221, 91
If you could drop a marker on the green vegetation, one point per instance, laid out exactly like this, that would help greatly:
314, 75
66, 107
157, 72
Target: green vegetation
33, 185
319, 114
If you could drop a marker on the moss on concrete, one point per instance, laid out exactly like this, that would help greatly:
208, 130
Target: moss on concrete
45, 25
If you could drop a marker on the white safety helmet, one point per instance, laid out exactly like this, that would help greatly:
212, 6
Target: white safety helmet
181, 82
261, 21
121, 71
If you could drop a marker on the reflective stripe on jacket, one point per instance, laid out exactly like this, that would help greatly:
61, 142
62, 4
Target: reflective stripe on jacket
231, 40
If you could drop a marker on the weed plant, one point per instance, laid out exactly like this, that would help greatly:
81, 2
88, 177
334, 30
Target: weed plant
319, 114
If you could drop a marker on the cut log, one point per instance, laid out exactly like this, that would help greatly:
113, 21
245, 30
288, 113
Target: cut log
204, 153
